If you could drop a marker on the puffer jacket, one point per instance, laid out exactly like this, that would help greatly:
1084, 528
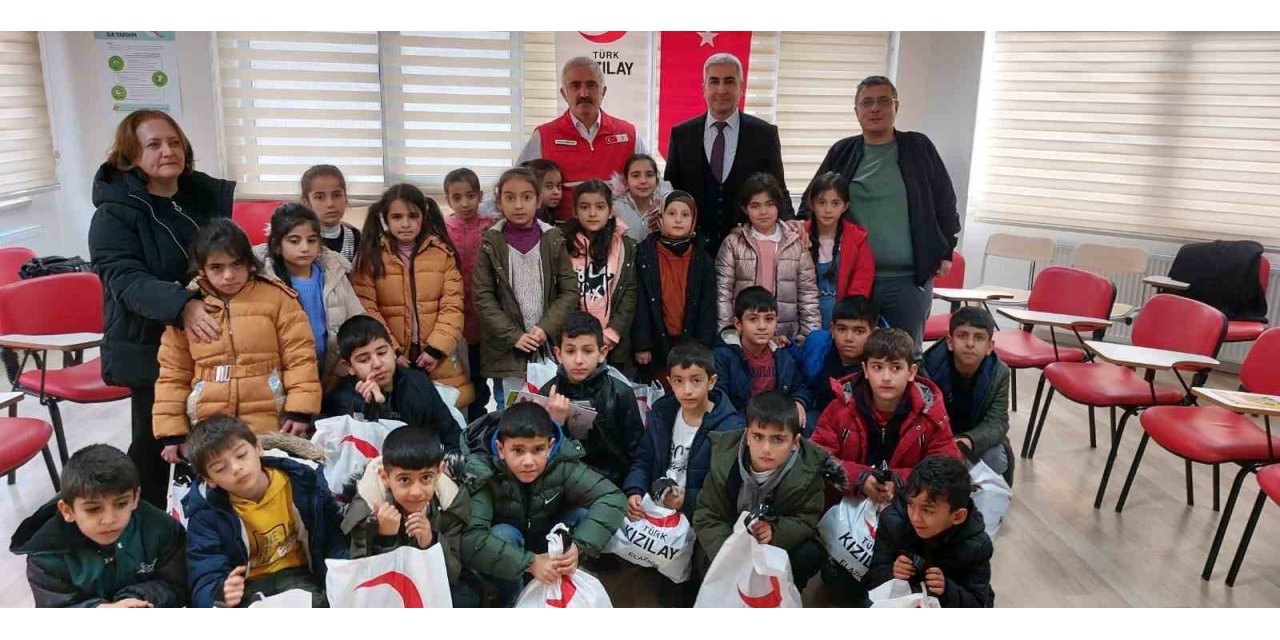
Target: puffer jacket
618, 311
437, 292
797, 290
447, 514
340, 304
963, 553
502, 324
262, 365
857, 266
497, 497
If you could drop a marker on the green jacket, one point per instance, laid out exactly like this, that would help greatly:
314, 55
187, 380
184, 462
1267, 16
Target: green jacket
447, 514
497, 497
66, 569
990, 417
797, 501
501, 323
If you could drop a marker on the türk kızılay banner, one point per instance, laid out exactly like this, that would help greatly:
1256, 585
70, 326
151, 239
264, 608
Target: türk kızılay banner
624, 59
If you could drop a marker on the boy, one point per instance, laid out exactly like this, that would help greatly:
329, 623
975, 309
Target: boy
96, 545
769, 470
529, 478
975, 387
932, 535
268, 502
749, 362
406, 498
830, 355
675, 452
378, 389
583, 378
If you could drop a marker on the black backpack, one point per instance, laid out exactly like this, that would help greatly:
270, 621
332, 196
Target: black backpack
53, 265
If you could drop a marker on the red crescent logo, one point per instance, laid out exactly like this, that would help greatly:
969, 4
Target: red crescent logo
603, 37
771, 600
567, 591
871, 528
664, 523
365, 448
401, 583
174, 512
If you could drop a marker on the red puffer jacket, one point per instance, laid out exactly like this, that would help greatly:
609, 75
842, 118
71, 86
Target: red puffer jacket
926, 431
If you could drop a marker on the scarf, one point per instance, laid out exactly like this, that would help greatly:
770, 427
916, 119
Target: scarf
522, 240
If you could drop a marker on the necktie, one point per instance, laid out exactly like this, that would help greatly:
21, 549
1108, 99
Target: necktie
717, 151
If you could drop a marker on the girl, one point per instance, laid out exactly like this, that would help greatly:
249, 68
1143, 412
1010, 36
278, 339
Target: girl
837, 247
524, 284
638, 195
261, 369
295, 255
770, 254
462, 191
550, 187
604, 262
407, 277
676, 287
324, 189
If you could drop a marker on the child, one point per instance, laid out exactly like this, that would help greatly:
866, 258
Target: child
638, 195
885, 416
381, 389
676, 287
462, 190
257, 525
830, 355
837, 246
408, 278
262, 368
675, 449
766, 253
935, 537
771, 471
96, 545
405, 498
550, 187
975, 387
524, 284
605, 263
295, 255
584, 379
324, 190
750, 362
528, 478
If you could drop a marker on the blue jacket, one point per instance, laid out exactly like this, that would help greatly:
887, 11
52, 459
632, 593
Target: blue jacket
734, 378
216, 538
653, 456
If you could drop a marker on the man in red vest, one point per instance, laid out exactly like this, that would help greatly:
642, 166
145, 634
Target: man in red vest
585, 142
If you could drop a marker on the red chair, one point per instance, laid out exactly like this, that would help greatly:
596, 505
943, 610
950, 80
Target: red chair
1061, 290
21, 439
1167, 323
39, 307
254, 216
938, 325
12, 259
1245, 331
1269, 487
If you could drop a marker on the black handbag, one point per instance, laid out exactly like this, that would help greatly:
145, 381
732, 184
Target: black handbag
52, 265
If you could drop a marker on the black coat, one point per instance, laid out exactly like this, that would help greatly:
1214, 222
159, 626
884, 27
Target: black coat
144, 264
759, 151
414, 401
649, 331
963, 554
613, 438
1224, 275
931, 199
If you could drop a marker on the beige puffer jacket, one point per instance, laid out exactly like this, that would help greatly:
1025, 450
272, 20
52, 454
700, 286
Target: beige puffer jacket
797, 291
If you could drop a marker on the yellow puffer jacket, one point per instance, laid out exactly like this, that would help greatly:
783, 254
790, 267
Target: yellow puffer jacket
263, 363
436, 288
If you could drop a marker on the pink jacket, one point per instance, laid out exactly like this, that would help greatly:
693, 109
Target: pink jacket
466, 236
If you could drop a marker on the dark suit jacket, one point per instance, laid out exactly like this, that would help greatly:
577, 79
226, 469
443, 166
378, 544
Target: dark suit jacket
688, 170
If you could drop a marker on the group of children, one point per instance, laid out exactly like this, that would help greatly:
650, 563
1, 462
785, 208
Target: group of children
781, 401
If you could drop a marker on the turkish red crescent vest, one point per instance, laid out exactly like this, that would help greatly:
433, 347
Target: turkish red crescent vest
580, 160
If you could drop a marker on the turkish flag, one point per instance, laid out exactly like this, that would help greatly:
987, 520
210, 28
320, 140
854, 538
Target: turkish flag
683, 53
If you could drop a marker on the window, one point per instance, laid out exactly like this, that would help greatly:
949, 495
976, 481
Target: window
1168, 134
27, 156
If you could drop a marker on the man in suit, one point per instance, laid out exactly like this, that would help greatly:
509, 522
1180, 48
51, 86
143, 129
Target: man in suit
711, 155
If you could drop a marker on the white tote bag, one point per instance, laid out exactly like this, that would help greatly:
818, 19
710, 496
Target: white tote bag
291, 599
747, 574
406, 578
349, 444
578, 590
848, 533
991, 495
662, 539
896, 594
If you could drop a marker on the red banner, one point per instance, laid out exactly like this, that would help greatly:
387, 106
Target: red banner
683, 53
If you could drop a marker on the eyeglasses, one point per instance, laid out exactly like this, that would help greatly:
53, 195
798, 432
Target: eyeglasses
884, 101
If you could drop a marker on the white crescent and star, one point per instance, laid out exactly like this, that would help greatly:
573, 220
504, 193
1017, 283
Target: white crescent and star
708, 38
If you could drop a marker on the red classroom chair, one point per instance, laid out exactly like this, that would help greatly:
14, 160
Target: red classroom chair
254, 216
1243, 330
1269, 487
938, 325
39, 307
21, 439
1168, 323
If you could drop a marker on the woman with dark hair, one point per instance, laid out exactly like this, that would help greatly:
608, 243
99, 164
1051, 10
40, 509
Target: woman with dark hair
150, 202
